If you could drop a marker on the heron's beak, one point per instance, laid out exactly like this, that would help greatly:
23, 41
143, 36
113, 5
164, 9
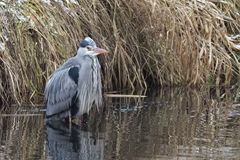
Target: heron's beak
100, 51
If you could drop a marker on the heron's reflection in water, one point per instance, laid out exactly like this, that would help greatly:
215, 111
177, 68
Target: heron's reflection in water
77, 142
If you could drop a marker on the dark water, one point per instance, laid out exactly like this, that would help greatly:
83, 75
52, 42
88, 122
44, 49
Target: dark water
172, 124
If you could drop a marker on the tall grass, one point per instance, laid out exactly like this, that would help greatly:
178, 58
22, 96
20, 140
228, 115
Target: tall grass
151, 42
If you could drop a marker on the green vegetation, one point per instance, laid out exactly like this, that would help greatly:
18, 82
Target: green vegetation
151, 42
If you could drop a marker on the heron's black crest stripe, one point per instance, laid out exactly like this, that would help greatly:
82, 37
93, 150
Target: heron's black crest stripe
74, 74
84, 43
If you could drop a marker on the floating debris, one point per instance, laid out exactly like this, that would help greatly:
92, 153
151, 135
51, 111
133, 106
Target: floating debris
125, 96
19, 115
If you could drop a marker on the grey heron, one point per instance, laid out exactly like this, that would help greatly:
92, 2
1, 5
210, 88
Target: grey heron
75, 86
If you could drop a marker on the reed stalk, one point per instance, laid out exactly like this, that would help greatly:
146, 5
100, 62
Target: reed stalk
151, 42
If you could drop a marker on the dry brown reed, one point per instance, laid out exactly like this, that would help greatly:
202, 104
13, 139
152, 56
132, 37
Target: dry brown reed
151, 42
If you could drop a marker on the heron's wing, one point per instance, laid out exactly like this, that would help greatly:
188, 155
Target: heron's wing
73, 61
61, 90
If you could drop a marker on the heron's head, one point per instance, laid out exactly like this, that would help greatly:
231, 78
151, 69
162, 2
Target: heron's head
88, 47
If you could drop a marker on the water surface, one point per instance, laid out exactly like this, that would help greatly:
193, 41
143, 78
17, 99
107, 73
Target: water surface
171, 124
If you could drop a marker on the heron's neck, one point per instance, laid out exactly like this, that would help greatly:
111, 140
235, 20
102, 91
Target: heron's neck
80, 51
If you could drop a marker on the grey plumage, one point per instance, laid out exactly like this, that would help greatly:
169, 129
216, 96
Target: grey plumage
64, 95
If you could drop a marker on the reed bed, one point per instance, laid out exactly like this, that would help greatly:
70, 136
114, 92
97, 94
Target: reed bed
151, 42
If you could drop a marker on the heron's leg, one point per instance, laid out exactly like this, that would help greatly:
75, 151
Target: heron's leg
85, 117
70, 120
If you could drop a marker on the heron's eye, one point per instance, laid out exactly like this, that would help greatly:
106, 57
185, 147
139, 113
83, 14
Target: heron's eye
89, 48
